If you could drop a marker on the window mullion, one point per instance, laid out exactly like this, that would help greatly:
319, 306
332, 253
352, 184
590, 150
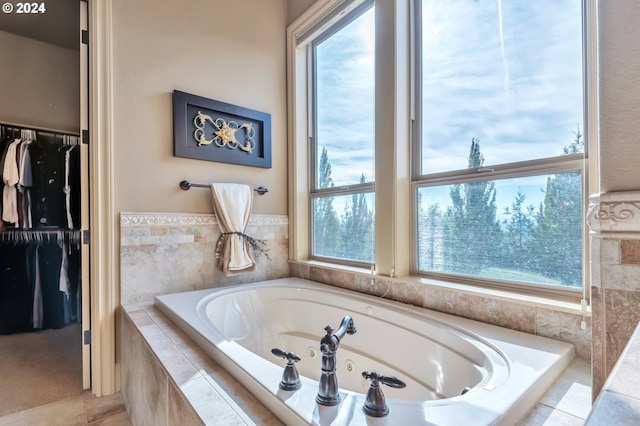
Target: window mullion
393, 122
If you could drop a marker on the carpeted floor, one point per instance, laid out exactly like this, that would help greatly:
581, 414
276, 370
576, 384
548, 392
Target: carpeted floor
40, 367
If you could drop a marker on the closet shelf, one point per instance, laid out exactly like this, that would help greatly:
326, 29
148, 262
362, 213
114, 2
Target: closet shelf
15, 126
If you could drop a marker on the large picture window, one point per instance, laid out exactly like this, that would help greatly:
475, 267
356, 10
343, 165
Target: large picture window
445, 141
499, 174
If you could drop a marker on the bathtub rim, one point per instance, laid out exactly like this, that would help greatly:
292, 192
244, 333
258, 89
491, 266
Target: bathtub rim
479, 347
563, 351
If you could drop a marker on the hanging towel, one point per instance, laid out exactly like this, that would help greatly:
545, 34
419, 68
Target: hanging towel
232, 206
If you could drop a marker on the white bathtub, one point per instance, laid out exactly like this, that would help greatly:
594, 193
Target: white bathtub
436, 354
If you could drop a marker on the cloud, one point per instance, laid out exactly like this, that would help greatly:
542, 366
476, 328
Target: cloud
531, 111
514, 83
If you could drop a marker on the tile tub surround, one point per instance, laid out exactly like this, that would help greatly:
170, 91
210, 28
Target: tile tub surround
185, 386
173, 252
614, 221
168, 380
619, 400
559, 322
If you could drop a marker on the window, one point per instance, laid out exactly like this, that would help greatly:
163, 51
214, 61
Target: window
501, 157
342, 198
461, 153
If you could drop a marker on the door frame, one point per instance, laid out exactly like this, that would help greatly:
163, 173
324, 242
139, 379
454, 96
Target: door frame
84, 196
103, 270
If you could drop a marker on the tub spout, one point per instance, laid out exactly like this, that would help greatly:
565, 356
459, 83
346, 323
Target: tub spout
328, 391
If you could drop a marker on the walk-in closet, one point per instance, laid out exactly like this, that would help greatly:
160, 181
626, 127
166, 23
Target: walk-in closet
41, 267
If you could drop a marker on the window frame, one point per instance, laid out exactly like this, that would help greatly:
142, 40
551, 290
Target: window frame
395, 131
549, 165
315, 193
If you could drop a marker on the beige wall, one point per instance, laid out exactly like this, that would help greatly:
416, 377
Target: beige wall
295, 8
619, 68
39, 84
232, 51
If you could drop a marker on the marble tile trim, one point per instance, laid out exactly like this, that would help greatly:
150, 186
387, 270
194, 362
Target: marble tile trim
619, 401
614, 213
200, 391
128, 219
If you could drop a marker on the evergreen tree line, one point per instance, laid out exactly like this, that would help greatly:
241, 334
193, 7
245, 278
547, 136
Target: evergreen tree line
540, 246
543, 246
348, 236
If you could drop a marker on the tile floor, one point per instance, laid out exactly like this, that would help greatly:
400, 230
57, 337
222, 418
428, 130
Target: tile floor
567, 403
81, 410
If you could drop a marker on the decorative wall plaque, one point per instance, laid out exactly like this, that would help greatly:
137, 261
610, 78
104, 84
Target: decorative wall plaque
205, 129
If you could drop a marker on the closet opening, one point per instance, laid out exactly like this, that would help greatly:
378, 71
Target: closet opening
44, 207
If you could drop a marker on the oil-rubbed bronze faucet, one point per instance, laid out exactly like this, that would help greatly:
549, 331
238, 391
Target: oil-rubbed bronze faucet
290, 377
375, 404
328, 386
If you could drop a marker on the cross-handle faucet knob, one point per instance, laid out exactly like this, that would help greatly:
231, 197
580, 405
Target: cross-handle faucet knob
290, 377
375, 404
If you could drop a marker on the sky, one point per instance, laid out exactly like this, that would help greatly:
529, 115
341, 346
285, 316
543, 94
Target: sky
507, 72
345, 100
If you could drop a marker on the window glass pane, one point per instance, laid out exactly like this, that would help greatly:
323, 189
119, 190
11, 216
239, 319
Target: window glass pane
526, 229
343, 227
344, 76
505, 72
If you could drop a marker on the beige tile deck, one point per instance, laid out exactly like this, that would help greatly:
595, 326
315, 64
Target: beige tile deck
81, 410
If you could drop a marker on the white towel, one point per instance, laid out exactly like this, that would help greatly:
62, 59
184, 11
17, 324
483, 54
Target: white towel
232, 205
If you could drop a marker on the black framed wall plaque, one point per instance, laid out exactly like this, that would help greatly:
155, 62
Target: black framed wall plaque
206, 129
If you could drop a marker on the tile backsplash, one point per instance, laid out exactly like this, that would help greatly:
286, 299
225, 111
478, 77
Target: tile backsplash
163, 253
556, 324
614, 221
166, 253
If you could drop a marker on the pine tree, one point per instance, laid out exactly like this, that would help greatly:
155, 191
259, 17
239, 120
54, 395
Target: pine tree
472, 232
357, 227
518, 231
557, 237
431, 234
326, 226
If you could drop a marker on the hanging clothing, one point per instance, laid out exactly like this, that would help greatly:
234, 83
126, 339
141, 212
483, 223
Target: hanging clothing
48, 207
4, 145
53, 311
10, 177
38, 309
15, 293
24, 185
67, 188
39, 269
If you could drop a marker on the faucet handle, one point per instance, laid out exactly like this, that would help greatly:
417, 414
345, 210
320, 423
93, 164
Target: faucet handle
375, 404
289, 356
391, 381
290, 377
